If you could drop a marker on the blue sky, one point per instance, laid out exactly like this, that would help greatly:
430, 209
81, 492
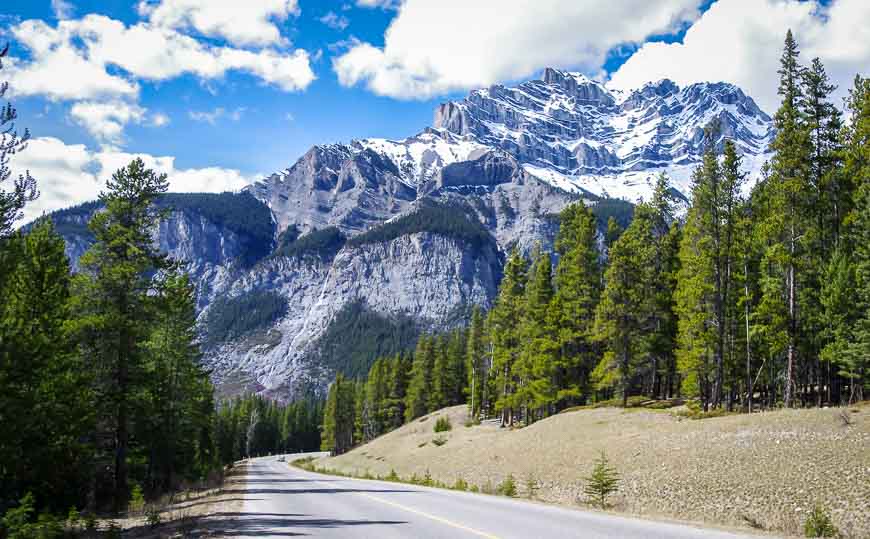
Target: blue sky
379, 69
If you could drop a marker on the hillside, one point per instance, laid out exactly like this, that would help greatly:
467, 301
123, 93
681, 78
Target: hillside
763, 470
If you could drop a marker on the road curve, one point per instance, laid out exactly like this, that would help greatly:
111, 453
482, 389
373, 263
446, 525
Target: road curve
282, 501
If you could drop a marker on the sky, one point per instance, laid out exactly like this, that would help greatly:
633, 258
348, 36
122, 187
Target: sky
219, 93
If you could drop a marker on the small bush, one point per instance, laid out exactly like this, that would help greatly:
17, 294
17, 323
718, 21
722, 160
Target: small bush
439, 440
460, 484
393, 476
152, 516
443, 424
427, 479
471, 422
508, 487
137, 500
818, 524
603, 482
473, 488
18, 522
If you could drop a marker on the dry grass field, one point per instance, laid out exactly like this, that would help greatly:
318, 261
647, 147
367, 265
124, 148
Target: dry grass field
765, 470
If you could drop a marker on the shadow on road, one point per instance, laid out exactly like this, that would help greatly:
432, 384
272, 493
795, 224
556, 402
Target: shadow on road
247, 491
276, 524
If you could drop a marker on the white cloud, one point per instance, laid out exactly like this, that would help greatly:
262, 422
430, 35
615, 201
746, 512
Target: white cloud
382, 4
436, 47
106, 120
248, 22
73, 59
62, 9
212, 117
740, 41
69, 174
334, 21
159, 119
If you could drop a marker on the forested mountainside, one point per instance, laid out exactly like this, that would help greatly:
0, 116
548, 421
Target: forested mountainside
413, 233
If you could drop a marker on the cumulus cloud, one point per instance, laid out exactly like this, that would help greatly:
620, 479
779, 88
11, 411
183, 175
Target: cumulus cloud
70, 174
335, 21
251, 22
106, 120
435, 47
73, 60
159, 119
740, 41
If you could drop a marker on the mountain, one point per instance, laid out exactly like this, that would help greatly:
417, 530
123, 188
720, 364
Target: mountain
357, 248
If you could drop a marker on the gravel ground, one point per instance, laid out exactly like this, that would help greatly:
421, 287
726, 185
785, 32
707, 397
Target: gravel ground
766, 470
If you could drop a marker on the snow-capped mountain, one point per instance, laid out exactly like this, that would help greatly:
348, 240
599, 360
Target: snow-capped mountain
578, 135
330, 242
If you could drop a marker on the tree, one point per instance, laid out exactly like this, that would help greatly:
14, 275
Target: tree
854, 364
338, 417
476, 363
504, 331
603, 481
24, 186
420, 385
578, 291
535, 369
114, 305
787, 221
706, 283
45, 399
178, 413
622, 316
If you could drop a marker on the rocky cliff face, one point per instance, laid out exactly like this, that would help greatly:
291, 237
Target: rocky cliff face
507, 160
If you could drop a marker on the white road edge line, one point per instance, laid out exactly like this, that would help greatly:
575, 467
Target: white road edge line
430, 516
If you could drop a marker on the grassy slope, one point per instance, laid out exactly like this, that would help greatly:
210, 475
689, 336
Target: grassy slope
768, 469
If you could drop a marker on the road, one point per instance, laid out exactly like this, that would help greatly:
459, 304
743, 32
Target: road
283, 501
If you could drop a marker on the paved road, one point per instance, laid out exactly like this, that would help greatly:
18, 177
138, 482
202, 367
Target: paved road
281, 501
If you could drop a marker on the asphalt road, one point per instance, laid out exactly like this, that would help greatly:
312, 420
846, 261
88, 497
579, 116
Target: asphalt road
283, 501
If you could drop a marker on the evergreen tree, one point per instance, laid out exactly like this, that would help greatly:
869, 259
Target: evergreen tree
787, 223
45, 401
578, 290
114, 305
504, 332
420, 384
476, 361
622, 316
535, 370
24, 186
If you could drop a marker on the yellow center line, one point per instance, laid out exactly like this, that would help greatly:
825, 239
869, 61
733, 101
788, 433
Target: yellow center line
430, 516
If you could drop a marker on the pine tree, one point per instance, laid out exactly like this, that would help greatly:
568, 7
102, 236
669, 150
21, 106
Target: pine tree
622, 316
476, 361
578, 290
603, 482
437, 397
504, 331
420, 383
45, 400
535, 369
114, 304
24, 186
399, 371
787, 222
856, 363
177, 421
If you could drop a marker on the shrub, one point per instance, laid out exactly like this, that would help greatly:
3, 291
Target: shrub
818, 524
460, 484
443, 424
137, 500
439, 441
152, 516
427, 479
508, 487
603, 482
18, 522
473, 488
393, 476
